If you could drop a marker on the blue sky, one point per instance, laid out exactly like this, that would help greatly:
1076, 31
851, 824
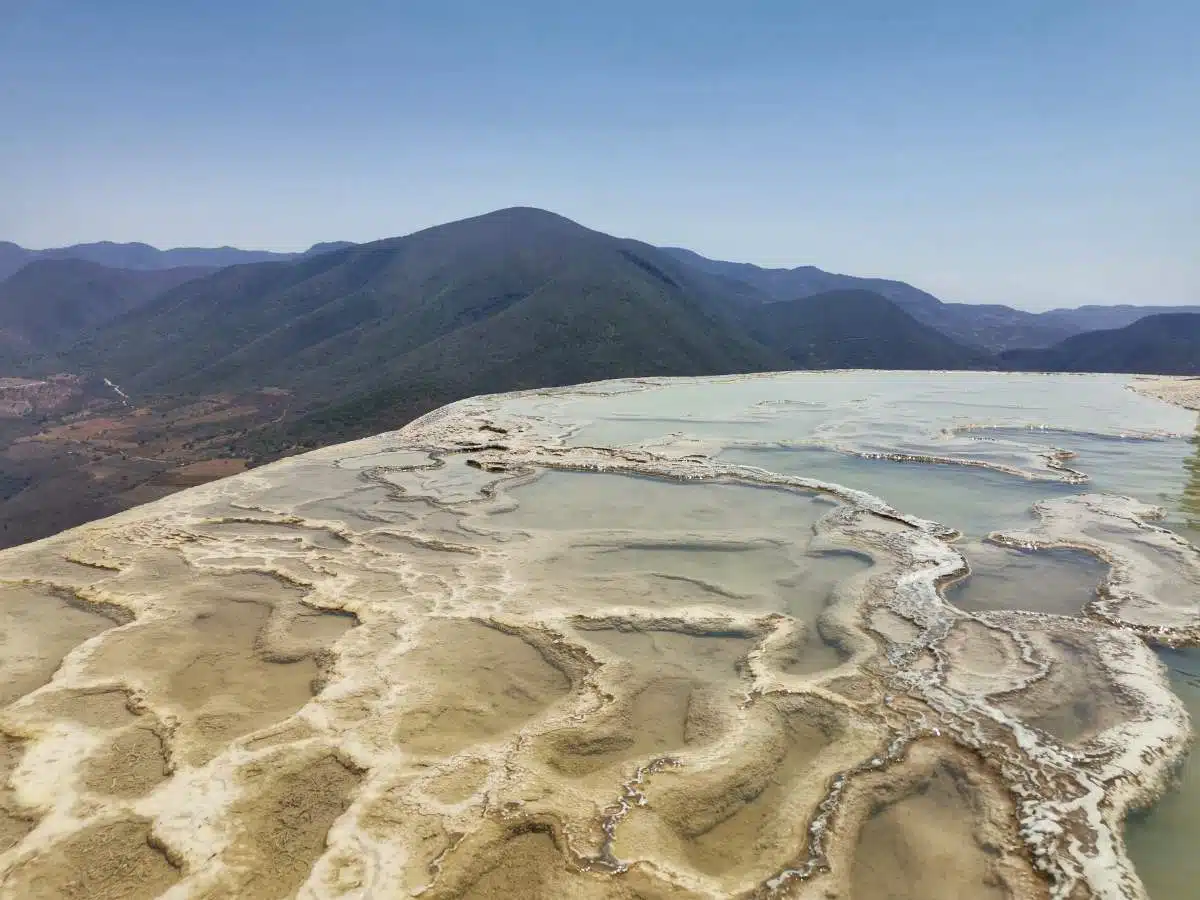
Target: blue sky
1031, 153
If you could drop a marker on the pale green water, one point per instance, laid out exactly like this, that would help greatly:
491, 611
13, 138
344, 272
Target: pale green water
1162, 841
807, 424
971, 500
621, 539
1052, 581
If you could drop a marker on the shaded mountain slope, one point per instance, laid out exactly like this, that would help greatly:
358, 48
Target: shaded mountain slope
545, 342
804, 281
49, 302
992, 327
858, 328
520, 295
1166, 344
568, 332
13, 257
144, 257
1101, 318
373, 335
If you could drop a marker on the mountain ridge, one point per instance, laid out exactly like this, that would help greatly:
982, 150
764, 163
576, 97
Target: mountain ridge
47, 302
138, 256
1161, 344
257, 360
993, 327
819, 331
372, 335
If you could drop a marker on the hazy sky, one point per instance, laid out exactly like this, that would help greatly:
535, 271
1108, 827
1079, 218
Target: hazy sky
1035, 153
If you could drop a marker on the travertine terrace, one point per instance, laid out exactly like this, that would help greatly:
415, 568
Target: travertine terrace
499, 654
1182, 391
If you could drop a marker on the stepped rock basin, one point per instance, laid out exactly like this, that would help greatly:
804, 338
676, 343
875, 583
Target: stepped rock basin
850, 635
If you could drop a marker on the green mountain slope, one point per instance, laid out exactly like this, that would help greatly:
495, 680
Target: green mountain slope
370, 336
991, 327
143, 257
1166, 344
49, 302
514, 298
344, 320
1104, 318
857, 328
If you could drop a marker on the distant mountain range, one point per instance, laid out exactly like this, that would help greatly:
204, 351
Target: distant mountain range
368, 336
375, 334
1163, 344
223, 364
1097, 318
49, 302
840, 329
143, 257
992, 327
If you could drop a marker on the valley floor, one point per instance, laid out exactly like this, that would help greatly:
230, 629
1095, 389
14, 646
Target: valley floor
77, 458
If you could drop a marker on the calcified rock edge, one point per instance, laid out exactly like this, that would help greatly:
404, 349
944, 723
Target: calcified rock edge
343, 676
1183, 392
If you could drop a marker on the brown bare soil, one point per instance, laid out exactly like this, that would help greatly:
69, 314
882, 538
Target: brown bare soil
71, 451
22, 397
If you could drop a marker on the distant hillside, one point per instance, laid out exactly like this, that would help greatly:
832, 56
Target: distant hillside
326, 247
991, 327
13, 257
1166, 344
48, 302
370, 336
143, 257
516, 298
1099, 318
804, 281
857, 328
252, 361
